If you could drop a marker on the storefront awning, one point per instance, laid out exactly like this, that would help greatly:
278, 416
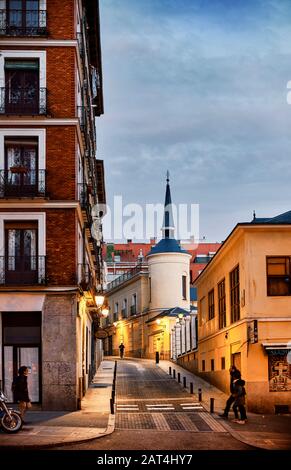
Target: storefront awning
269, 346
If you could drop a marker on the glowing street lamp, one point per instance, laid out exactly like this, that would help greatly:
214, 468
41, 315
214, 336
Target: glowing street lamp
99, 299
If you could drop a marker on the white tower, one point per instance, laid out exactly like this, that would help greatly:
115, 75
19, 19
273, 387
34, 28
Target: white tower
169, 266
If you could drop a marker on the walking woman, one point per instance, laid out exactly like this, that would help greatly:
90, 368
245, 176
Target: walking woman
20, 390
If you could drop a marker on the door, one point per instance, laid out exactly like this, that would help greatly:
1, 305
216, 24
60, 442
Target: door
21, 87
21, 172
21, 262
15, 357
236, 360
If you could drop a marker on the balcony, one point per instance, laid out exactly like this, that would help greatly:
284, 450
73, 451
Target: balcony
85, 277
23, 23
23, 101
22, 182
22, 270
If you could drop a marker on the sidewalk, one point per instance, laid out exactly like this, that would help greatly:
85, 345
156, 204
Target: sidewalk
269, 432
50, 428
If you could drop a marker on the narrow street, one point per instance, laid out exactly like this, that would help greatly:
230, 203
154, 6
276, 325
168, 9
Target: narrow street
153, 412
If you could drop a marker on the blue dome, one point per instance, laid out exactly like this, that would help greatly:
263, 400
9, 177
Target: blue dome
167, 245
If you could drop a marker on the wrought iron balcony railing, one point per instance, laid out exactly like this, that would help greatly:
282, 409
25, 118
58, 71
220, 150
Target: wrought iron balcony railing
23, 22
28, 100
85, 277
140, 268
22, 270
20, 181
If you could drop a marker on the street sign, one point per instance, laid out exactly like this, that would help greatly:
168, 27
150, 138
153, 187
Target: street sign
253, 332
100, 333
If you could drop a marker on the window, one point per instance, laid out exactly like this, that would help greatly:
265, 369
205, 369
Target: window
20, 176
184, 287
115, 313
222, 304
24, 18
202, 311
133, 305
212, 365
211, 310
150, 289
21, 263
22, 92
124, 308
234, 295
203, 365
223, 363
278, 275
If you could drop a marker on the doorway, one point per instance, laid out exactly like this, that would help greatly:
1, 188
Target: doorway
22, 347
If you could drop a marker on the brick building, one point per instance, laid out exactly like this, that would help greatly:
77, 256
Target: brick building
50, 179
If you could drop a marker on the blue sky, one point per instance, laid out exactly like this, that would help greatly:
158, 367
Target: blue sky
198, 87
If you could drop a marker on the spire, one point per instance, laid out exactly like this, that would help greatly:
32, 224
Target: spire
168, 223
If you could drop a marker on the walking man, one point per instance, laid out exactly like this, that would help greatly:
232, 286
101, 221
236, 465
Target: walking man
234, 375
121, 350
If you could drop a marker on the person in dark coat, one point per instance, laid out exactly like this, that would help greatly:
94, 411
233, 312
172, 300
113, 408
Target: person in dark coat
234, 375
20, 390
121, 350
239, 394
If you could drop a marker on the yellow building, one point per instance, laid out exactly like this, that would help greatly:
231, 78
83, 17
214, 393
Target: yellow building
145, 302
244, 313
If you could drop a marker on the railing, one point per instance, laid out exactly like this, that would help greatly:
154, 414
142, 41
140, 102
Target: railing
133, 309
22, 182
22, 270
85, 277
123, 313
23, 22
81, 113
128, 275
23, 100
80, 44
115, 316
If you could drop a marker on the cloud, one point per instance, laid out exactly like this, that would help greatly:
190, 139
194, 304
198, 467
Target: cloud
199, 89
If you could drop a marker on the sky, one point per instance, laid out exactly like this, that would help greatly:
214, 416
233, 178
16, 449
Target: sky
199, 88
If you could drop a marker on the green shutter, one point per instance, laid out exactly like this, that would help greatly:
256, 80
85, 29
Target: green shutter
21, 65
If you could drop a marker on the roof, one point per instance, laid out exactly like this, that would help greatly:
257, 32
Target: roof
280, 219
284, 218
167, 245
170, 312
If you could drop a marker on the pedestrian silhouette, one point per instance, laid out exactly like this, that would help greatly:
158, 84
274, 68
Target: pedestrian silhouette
234, 375
239, 394
121, 350
20, 390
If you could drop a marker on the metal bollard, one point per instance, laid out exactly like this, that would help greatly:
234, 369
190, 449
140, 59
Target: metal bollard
111, 406
157, 357
184, 382
199, 394
211, 405
179, 377
174, 373
113, 395
170, 370
191, 388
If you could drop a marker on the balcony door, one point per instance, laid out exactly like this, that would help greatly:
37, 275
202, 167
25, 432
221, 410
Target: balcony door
21, 167
21, 87
23, 16
21, 261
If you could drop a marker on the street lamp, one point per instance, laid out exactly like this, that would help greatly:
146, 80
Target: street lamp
99, 299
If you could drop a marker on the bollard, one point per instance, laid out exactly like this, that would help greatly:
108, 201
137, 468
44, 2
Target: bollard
199, 394
170, 370
111, 406
179, 377
184, 382
174, 373
157, 357
191, 388
211, 405
113, 395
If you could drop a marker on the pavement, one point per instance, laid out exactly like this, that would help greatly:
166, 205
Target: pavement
268, 432
51, 428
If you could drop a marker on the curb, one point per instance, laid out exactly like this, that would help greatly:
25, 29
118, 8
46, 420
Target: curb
109, 430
